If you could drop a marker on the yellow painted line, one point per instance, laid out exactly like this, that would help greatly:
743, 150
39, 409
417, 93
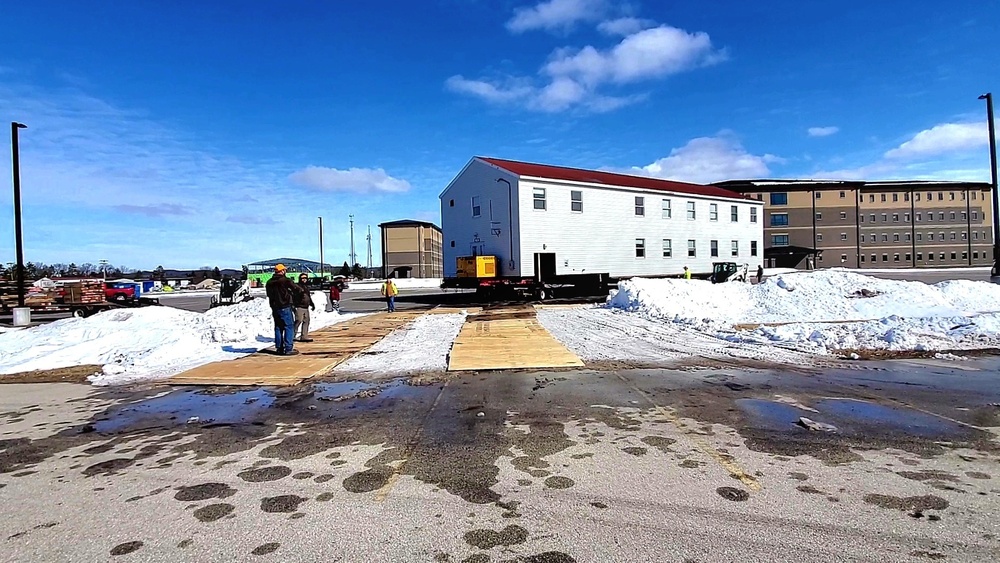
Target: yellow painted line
727, 462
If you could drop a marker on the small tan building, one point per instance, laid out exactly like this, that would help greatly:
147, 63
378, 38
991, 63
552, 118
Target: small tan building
411, 249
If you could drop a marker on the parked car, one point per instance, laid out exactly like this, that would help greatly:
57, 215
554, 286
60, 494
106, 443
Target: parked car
120, 293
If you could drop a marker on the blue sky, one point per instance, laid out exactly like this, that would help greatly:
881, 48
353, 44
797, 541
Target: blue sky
214, 133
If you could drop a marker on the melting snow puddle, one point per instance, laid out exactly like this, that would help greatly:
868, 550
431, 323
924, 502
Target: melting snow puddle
182, 407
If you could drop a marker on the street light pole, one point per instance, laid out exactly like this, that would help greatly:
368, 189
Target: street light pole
322, 274
993, 177
19, 246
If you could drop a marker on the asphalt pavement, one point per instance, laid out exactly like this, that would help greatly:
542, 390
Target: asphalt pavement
631, 465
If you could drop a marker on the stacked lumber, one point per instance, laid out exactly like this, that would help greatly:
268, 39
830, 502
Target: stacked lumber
83, 292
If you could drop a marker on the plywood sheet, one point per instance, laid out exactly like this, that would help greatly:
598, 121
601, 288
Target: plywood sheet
492, 342
330, 347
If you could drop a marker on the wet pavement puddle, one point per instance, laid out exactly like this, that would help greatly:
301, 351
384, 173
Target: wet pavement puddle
184, 406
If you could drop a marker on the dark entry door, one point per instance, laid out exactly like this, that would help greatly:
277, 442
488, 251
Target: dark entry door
545, 265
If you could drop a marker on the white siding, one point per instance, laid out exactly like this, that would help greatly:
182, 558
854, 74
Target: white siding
490, 233
601, 238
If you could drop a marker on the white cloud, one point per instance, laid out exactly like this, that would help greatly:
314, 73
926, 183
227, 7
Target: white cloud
356, 180
573, 77
252, 220
941, 139
555, 15
624, 26
823, 131
156, 210
710, 159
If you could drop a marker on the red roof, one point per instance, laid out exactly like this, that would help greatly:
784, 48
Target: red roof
608, 178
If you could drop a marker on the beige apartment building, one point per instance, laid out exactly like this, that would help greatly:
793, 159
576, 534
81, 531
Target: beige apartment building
411, 249
898, 224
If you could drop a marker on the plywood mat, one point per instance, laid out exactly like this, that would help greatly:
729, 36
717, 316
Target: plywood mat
508, 338
330, 347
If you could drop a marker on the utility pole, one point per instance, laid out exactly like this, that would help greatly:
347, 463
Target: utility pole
104, 268
321, 273
369, 248
993, 177
353, 256
19, 246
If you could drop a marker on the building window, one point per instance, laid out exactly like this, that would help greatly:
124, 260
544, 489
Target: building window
453, 244
965, 255
713, 212
665, 208
930, 256
952, 216
871, 218
906, 196
818, 194
861, 217
954, 256
951, 196
779, 198
975, 235
753, 214
640, 248
874, 258
753, 248
907, 237
779, 219
883, 197
734, 213
576, 201
539, 195
953, 235
843, 236
975, 215
714, 248
920, 256
920, 236
640, 206
941, 216
895, 217
735, 247
862, 256
895, 257
690, 210
941, 198
920, 216
916, 196
668, 249
930, 196
975, 254
842, 195
963, 196
974, 196
779, 240
930, 215
692, 249
895, 197
906, 217
819, 216
885, 257
476, 208
885, 217
895, 238
819, 237
871, 198
843, 215
451, 203
862, 238
908, 256
965, 216
885, 237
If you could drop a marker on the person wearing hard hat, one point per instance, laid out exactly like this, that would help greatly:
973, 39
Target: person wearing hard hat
687, 273
390, 291
282, 294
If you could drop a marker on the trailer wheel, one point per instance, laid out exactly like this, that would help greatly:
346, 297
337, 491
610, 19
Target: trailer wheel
78, 313
542, 294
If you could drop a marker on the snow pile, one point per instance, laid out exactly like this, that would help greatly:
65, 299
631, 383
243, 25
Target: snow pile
150, 342
420, 346
810, 309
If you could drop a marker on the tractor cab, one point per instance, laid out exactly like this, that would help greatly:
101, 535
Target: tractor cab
728, 271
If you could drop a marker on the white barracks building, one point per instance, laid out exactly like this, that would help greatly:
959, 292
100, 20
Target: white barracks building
550, 220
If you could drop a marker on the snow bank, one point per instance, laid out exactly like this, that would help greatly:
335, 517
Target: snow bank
150, 342
899, 315
420, 346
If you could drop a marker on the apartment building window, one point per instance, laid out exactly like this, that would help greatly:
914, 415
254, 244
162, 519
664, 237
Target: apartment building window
951, 196
906, 217
906, 196
895, 237
871, 198
640, 206
714, 248
941, 198
930, 216
908, 256
668, 248
916, 196
965, 255
735, 247
753, 248
954, 256
819, 195
819, 237
920, 236
952, 216
975, 255
885, 217
895, 257
885, 257
692, 249
476, 208
941, 256
690, 210
779, 240
907, 237
862, 238
920, 216
753, 214
963, 196
953, 237
862, 257
779, 219
779, 198
895, 217
843, 236
843, 215
843, 195
973, 196
872, 217
713, 212
920, 256
538, 194
640, 248
965, 216
975, 215
819, 216
734, 213
885, 237
874, 258
941, 216
975, 235
883, 197
576, 201
930, 256
843, 258
930, 196
895, 197
665, 209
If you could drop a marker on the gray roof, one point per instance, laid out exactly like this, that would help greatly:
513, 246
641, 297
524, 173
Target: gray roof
408, 223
